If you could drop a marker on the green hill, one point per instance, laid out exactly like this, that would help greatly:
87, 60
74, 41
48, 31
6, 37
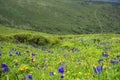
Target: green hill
61, 16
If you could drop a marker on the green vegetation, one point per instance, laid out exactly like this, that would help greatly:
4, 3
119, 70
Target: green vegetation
28, 54
27, 37
61, 16
78, 54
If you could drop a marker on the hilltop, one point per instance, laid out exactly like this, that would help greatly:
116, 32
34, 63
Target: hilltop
61, 16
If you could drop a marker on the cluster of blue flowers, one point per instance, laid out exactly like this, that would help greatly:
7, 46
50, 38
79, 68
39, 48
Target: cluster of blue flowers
98, 69
61, 71
4, 68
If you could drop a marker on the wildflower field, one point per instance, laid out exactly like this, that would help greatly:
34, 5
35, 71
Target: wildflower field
73, 57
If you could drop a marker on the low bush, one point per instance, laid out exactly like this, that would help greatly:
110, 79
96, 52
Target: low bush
30, 39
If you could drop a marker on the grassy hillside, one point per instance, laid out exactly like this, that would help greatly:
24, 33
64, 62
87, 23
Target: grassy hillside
27, 37
61, 16
83, 57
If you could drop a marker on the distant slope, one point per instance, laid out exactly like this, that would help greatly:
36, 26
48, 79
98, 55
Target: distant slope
61, 16
117, 1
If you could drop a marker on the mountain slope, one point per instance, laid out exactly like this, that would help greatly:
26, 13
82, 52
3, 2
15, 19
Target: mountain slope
117, 1
61, 16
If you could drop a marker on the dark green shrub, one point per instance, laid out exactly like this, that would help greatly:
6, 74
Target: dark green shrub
39, 40
30, 39
22, 38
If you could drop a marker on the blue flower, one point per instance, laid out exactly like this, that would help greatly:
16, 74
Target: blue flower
16, 64
27, 51
100, 60
4, 68
18, 53
44, 48
113, 61
118, 56
79, 61
51, 73
10, 54
61, 69
62, 76
12, 50
0, 54
29, 76
104, 54
33, 54
97, 69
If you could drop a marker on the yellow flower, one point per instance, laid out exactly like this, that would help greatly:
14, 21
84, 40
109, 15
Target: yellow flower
20, 69
24, 52
31, 72
77, 79
50, 67
25, 67
68, 71
15, 60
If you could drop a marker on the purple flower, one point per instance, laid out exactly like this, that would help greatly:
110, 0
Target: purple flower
18, 53
97, 69
62, 76
100, 60
104, 54
51, 73
33, 54
29, 76
113, 61
79, 60
4, 68
118, 56
61, 69
27, 51
0, 54
16, 64
44, 48
12, 50
10, 54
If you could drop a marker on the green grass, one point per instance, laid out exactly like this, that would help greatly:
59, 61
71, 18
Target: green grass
89, 48
78, 54
61, 17
25, 36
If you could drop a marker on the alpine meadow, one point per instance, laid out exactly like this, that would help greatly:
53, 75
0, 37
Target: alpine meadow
59, 39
